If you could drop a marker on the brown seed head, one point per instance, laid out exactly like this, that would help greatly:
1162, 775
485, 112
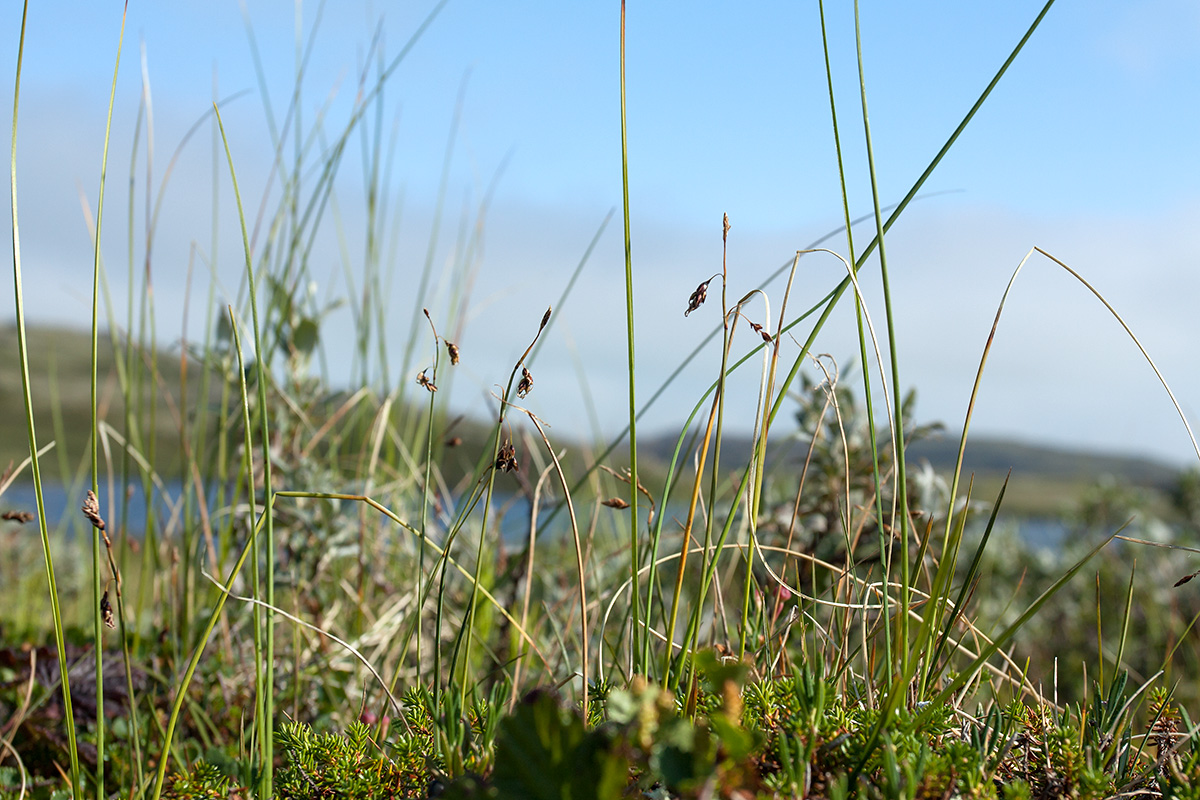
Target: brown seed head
698, 297
425, 381
91, 510
506, 460
452, 349
526, 384
106, 611
17, 516
617, 503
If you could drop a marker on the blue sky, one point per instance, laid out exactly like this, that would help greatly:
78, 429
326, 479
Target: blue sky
1087, 149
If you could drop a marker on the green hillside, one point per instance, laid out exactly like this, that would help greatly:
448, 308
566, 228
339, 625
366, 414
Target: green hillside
59, 366
1045, 481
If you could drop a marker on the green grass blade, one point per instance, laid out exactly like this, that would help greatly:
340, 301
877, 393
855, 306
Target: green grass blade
97, 561
640, 652
933, 670
902, 656
912, 193
262, 375
23, 352
868, 400
256, 526
1124, 634
1007, 634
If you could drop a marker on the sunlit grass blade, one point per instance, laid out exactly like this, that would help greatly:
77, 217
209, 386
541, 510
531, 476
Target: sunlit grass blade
35, 468
638, 642
579, 565
97, 561
498, 462
268, 655
1137, 342
968, 672
868, 400
256, 524
826, 304
957, 609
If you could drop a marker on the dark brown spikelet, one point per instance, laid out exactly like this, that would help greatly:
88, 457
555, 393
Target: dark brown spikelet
545, 318
1186, 578
424, 380
698, 297
17, 516
91, 510
617, 503
766, 337
454, 441
1165, 730
106, 611
452, 349
526, 384
506, 460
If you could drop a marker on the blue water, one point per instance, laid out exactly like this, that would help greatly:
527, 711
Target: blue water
62, 511
63, 506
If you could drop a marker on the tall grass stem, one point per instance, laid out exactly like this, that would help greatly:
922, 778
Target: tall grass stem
247, 549
97, 561
261, 378
640, 654
23, 353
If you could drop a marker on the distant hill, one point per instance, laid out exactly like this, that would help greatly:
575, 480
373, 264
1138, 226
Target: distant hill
60, 372
1045, 478
984, 456
1046, 481
992, 456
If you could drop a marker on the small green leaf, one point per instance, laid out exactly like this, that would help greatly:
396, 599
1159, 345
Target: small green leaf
544, 752
304, 336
